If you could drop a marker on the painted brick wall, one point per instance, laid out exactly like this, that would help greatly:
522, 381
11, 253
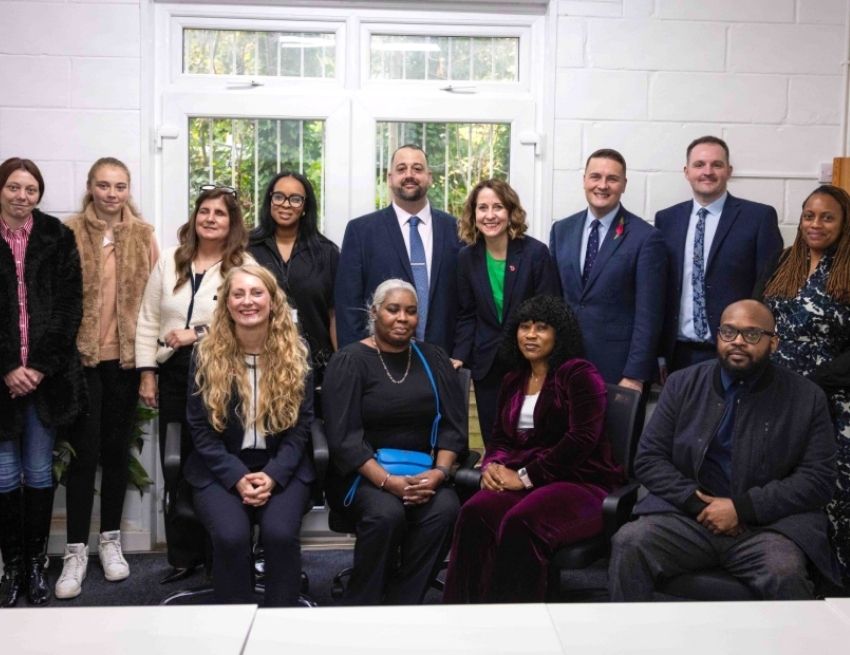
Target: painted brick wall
69, 90
647, 76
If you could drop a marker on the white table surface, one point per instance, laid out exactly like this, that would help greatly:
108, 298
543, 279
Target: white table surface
187, 630
749, 628
423, 630
842, 607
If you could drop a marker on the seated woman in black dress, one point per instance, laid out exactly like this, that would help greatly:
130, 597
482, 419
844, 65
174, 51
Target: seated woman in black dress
547, 469
377, 394
249, 413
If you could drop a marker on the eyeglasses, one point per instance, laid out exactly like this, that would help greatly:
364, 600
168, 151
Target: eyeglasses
751, 335
295, 200
213, 187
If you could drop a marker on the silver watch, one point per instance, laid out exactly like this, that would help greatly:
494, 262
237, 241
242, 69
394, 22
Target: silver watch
523, 476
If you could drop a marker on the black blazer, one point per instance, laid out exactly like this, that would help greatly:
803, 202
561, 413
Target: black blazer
373, 250
529, 271
216, 454
747, 241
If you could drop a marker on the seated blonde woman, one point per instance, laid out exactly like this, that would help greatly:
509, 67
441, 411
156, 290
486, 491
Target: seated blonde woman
249, 413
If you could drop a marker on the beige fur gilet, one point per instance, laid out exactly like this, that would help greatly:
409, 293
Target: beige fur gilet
132, 238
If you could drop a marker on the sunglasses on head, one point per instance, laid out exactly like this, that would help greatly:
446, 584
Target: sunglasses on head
213, 187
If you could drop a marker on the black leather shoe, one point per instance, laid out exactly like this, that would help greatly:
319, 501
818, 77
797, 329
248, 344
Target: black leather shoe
11, 586
38, 590
177, 574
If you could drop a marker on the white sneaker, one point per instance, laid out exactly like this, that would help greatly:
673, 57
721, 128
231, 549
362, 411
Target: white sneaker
70, 582
115, 567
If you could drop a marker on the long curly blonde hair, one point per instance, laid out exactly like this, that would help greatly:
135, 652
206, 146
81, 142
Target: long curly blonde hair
221, 368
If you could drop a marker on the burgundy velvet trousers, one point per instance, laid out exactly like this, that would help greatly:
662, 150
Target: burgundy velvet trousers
503, 541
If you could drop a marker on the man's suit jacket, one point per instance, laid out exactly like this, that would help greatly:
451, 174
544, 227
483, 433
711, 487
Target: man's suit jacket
746, 242
621, 308
373, 250
529, 271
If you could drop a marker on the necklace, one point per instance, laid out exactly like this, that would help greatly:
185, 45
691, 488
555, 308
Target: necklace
384, 364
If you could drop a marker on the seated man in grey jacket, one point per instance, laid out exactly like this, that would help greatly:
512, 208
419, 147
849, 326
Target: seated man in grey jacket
738, 458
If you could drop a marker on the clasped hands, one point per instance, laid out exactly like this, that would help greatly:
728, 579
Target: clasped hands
22, 381
255, 488
719, 515
498, 477
415, 489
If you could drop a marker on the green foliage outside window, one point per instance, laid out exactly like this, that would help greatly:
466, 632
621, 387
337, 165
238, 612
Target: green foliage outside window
459, 154
246, 153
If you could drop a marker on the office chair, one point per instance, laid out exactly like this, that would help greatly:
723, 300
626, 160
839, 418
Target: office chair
178, 500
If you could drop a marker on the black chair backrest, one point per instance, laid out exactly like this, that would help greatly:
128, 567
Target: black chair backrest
620, 424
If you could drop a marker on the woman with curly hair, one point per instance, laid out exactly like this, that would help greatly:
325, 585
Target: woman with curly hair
176, 310
498, 269
547, 468
249, 414
809, 295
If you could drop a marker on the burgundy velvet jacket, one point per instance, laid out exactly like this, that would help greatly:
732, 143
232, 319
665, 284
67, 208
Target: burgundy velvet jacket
568, 441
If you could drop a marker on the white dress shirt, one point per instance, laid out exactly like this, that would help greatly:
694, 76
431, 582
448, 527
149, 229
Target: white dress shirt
686, 304
604, 225
426, 231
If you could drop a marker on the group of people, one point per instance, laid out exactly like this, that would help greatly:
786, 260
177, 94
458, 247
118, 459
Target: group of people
246, 339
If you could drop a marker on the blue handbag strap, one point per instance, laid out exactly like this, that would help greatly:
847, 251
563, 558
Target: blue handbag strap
349, 497
436, 424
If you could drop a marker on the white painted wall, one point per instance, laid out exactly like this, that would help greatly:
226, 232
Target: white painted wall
647, 76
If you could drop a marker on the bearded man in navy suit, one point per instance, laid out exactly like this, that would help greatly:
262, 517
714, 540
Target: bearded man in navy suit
718, 247
612, 266
409, 240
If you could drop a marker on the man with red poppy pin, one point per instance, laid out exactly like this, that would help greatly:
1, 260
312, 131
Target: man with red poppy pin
612, 266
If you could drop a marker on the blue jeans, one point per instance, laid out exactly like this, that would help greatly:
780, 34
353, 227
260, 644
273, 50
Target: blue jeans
33, 461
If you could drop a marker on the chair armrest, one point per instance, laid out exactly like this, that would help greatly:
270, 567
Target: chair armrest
172, 455
321, 454
617, 507
468, 478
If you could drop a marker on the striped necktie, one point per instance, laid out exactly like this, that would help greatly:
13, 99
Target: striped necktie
419, 264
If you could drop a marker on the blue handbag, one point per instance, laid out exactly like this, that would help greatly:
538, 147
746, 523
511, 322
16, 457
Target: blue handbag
405, 462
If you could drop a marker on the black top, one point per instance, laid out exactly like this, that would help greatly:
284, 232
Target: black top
365, 411
308, 281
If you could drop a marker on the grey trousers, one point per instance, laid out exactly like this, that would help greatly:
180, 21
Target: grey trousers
660, 546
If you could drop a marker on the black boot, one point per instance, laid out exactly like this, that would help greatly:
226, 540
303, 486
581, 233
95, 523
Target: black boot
38, 510
11, 545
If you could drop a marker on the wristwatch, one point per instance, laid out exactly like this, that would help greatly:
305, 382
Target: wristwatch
523, 476
200, 331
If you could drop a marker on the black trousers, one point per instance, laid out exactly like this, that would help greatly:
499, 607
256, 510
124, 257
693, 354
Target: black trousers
101, 436
688, 353
386, 527
228, 522
186, 541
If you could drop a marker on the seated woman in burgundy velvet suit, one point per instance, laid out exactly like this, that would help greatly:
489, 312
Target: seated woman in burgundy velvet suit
547, 469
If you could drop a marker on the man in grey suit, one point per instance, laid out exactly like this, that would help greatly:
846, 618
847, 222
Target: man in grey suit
409, 240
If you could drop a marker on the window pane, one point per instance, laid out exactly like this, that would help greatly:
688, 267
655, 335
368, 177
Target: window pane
277, 54
477, 58
459, 154
246, 153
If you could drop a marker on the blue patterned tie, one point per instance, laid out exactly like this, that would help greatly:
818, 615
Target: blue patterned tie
592, 250
698, 278
420, 274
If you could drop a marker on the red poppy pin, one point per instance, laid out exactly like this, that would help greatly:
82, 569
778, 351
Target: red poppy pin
618, 232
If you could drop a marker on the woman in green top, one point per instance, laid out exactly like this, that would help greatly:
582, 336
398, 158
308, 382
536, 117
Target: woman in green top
498, 269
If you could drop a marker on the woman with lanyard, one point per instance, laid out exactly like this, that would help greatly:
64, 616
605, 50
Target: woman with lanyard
177, 307
288, 243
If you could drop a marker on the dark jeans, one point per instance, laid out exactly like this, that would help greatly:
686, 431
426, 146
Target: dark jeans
661, 546
186, 541
102, 435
